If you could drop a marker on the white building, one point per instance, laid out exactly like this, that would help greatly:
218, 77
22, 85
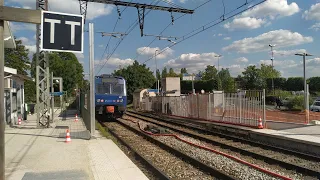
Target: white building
13, 83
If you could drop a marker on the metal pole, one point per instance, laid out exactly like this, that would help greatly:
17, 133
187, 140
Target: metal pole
2, 121
272, 58
155, 58
305, 85
92, 96
61, 96
264, 107
193, 90
307, 113
52, 98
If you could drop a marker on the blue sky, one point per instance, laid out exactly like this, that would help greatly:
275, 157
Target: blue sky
293, 26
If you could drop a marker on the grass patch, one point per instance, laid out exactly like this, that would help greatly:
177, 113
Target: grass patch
105, 132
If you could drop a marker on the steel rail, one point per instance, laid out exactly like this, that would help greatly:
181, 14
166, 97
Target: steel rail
255, 155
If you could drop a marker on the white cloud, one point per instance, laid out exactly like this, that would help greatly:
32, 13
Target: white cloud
148, 51
220, 34
114, 62
282, 38
244, 23
193, 62
15, 26
235, 69
71, 6
315, 27
313, 13
227, 38
282, 64
242, 60
261, 14
288, 52
29, 44
273, 9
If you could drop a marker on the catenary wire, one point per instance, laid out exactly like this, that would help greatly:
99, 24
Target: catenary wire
203, 28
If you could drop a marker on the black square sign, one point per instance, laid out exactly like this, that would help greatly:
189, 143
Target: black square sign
61, 32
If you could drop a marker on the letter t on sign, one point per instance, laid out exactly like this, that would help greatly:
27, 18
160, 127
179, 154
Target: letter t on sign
73, 30
52, 27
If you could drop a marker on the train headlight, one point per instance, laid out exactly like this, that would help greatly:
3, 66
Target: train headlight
118, 100
98, 100
101, 100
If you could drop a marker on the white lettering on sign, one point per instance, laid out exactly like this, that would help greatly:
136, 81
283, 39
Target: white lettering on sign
73, 24
52, 25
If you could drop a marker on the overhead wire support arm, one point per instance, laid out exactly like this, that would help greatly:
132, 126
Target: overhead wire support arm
141, 18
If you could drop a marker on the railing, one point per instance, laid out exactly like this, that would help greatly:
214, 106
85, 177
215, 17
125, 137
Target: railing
243, 108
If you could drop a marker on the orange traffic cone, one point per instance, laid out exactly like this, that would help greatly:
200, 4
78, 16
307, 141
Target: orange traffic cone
19, 121
76, 120
260, 126
68, 139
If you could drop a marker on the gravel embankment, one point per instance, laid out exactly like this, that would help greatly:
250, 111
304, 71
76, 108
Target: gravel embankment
174, 167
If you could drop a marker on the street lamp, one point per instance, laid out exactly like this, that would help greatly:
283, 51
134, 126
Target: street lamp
306, 106
155, 58
218, 56
272, 58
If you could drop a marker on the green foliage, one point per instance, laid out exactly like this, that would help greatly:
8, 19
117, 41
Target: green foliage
17, 58
225, 81
296, 103
253, 79
172, 73
137, 76
209, 73
279, 83
183, 70
164, 72
268, 72
186, 86
65, 65
314, 84
30, 91
294, 84
282, 94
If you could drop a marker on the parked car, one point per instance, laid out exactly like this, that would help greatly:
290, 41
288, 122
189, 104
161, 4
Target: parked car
315, 106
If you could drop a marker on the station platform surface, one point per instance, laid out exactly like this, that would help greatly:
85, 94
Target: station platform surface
41, 153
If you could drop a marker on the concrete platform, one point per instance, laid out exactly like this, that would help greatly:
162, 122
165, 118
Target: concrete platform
34, 154
303, 138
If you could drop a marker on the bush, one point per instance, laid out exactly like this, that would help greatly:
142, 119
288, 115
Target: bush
296, 103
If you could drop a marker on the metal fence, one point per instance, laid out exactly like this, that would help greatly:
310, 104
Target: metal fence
244, 107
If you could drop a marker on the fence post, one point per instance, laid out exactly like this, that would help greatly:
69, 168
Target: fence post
209, 105
223, 103
264, 107
240, 106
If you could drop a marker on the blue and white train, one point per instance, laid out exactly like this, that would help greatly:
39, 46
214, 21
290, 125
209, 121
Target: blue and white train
110, 96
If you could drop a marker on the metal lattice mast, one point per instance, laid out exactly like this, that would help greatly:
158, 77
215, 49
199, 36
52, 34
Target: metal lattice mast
42, 75
83, 9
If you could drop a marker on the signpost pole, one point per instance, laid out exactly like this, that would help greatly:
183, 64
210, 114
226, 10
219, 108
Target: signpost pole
92, 96
2, 120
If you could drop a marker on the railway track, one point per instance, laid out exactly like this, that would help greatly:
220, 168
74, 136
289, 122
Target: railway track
285, 160
165, 161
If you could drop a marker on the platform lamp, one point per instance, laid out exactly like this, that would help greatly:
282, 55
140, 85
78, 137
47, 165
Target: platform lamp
306, 105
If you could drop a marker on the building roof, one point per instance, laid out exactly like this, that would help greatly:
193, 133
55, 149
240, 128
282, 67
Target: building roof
8, 37
10, 70
23, 77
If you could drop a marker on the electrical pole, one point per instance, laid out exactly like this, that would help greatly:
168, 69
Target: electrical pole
218, 56
2, 119
155, 58
272, 58
306, 105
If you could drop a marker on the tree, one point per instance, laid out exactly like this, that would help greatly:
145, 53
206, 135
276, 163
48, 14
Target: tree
226, 82
253, 79
172, 73
17, 58
138, 76
65, 65
314, 84
183, 70
30, 91
268, 72
294, 84
158, 74
209, 73
164, 72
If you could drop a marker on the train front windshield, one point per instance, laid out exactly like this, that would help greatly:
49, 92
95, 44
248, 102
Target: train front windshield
114, 88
